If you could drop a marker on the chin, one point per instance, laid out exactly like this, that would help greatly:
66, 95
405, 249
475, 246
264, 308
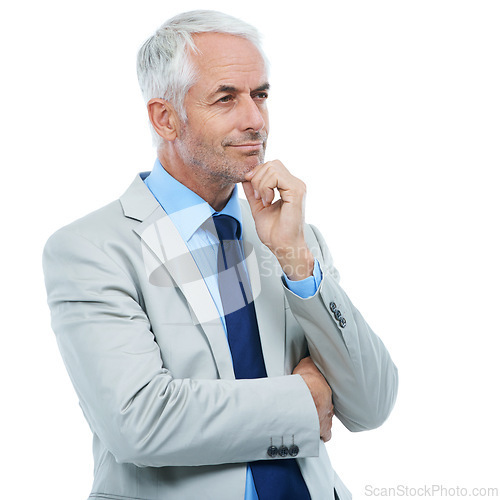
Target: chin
236, 170
247, 168
235, 177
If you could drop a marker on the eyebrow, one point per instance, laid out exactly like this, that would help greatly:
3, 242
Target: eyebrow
234, 90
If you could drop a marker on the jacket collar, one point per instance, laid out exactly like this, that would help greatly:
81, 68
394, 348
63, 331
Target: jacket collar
137, 202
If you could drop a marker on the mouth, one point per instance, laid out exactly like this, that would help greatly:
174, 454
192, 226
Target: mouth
248, 146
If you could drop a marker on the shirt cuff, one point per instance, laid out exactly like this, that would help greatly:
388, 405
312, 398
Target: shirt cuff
307, 287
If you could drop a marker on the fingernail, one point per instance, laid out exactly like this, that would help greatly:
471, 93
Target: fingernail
257, 197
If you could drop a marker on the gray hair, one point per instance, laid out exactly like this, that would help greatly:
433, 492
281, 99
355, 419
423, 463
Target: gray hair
164, 68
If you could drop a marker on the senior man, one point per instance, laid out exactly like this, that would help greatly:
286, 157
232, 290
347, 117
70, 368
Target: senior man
207, 337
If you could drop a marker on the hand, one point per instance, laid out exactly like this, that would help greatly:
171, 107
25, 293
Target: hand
280, 225
321, 393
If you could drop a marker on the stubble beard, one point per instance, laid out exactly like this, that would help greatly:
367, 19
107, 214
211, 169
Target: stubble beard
217, 167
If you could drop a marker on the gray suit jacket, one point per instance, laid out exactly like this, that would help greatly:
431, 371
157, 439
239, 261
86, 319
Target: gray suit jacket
147, 354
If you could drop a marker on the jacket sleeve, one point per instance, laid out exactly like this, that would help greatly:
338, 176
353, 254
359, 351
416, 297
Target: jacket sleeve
140, 412
355, 362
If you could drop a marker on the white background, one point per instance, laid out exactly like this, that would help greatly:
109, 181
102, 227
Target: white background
389, 110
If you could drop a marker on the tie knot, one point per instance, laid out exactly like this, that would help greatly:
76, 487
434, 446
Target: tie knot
228, 228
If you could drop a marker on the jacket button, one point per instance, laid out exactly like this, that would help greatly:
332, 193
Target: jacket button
283, 451
338, 315
333, 307
272, 451
342, 322
293, 450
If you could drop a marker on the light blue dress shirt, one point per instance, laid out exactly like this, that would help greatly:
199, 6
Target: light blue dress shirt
188, 212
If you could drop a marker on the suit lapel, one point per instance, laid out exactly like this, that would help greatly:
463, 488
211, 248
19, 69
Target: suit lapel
265, 278
163, 246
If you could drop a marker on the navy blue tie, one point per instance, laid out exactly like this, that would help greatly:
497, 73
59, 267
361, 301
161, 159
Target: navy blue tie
277, 479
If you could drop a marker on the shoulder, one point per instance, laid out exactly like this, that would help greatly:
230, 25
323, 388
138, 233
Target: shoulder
97, 227
115, 222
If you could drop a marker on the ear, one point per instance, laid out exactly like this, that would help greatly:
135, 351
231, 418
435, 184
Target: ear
164, 119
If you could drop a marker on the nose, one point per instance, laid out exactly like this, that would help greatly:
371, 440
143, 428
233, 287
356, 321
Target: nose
252, 117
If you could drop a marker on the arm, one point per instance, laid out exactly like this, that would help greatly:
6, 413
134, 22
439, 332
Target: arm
140, 412
352, 358
319, 388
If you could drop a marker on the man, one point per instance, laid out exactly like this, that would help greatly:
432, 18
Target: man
207, 337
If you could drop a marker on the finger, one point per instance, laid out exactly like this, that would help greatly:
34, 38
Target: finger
257, 171
262, 191
326, 431
327, 436
269, 181
254, 202
252, 173
328, 416
266, 177
276, 176
326, 427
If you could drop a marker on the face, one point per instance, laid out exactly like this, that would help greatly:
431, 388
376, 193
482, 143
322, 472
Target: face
227, 121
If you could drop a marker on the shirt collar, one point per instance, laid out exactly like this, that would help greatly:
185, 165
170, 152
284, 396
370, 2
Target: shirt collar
187, 210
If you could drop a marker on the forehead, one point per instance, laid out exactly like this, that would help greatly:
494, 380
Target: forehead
227, 60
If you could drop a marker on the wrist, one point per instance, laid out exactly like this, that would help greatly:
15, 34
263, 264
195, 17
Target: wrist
296, 262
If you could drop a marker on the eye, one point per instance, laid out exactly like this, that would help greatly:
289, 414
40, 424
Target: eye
226, 98
261, 95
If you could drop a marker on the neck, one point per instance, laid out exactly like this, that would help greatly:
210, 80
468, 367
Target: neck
213, 190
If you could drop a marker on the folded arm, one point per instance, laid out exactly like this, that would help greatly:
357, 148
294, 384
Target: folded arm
140, 412
352, 358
